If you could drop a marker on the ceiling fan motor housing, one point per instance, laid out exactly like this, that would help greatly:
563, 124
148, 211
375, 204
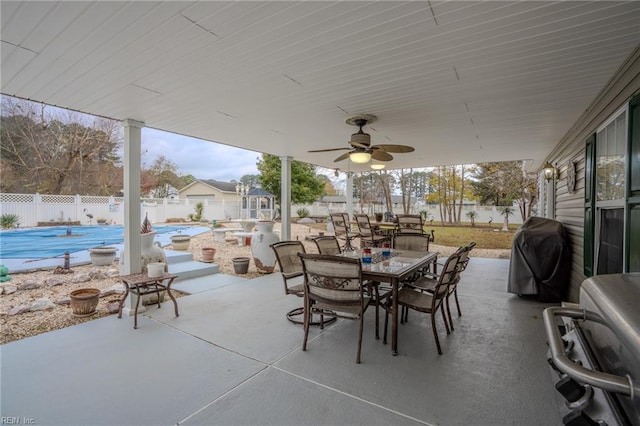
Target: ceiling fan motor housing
361, 138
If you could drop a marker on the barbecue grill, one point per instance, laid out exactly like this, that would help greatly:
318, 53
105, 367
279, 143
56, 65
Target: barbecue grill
594, 352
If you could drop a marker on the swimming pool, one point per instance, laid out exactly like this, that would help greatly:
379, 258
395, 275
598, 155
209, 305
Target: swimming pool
38, 243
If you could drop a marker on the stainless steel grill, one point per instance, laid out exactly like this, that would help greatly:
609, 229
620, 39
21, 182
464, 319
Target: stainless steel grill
594, 351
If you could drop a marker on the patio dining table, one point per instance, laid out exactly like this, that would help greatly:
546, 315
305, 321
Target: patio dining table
392, 269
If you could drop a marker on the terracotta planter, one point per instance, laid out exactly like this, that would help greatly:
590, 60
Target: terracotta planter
241, 265
84, 301
207, 254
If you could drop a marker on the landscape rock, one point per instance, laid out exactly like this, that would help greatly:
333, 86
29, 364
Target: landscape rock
81, 278
113, 307
29, 285
42, 305
8, 288
97, 274
66, 300
20, 309
54, 281
113, 273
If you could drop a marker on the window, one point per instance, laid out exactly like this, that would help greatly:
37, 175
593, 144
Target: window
610, 163
610, 169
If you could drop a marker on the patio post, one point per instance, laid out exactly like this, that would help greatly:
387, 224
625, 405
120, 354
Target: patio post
348, 195
132, 209
285, 198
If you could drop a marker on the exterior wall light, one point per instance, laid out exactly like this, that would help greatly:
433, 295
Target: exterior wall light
549, 171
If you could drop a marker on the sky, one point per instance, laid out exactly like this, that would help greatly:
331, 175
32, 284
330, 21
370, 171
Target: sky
201, 159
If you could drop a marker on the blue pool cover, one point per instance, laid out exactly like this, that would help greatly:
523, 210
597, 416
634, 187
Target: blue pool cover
39, 243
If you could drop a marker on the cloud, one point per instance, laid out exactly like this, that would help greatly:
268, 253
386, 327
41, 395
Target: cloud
202, 159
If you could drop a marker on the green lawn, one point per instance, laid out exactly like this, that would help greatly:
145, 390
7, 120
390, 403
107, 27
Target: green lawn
485, 236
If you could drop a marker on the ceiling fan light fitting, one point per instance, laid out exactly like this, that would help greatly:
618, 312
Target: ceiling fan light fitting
378, 166
360, 157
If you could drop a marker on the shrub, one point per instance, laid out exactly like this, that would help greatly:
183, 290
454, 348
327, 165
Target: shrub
302, 212
472, 215
8, 220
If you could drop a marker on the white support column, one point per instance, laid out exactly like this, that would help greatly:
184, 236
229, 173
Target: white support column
285, 198
132, 153
349, 194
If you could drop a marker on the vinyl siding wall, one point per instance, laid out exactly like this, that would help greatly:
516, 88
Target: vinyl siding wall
569, 207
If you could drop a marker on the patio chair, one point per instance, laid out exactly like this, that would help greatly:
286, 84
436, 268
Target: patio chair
368, 235
290, 268
409, 224
331, 246
328, 244
429, 303
429, 281
333, 286
342, 229
413, 242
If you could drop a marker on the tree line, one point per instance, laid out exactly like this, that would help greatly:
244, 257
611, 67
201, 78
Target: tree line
71, 153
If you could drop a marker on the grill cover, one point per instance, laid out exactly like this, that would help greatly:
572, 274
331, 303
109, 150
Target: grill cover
540, 260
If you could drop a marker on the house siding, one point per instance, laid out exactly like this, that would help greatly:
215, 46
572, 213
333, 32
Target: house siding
570, 206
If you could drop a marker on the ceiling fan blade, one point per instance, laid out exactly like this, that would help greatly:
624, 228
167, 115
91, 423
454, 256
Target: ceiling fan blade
342, 157
358, 145
381, 155
329, 149
401, 149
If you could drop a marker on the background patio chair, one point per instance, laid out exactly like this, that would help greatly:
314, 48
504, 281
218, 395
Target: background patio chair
342, 229
409, 224
368, 235
328, 244
429, 303
333, 286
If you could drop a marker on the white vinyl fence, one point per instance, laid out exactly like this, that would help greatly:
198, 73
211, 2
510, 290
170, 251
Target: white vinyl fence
32, 209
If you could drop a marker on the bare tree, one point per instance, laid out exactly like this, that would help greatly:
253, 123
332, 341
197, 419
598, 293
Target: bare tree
67, 153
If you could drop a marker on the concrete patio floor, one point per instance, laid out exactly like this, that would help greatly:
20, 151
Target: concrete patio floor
232, 358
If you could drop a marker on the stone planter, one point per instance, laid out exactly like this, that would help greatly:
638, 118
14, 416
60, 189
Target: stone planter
180, 242
241, 265
102, 256
263, 255
208, 254
84, 301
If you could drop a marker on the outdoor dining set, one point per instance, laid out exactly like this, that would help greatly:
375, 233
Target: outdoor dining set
393, 270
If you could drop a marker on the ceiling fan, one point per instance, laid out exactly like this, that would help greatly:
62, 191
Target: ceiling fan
361, 150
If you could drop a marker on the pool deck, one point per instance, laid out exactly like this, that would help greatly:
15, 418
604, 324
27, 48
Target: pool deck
82, 257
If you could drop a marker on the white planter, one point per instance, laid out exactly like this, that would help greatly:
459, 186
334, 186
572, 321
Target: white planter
155, 269
149, 253
261, 240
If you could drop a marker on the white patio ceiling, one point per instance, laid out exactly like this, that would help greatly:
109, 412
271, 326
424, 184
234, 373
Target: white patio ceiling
462, 82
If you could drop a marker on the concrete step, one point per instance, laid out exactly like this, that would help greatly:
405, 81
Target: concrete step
174, 256
206, 283
192, 269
